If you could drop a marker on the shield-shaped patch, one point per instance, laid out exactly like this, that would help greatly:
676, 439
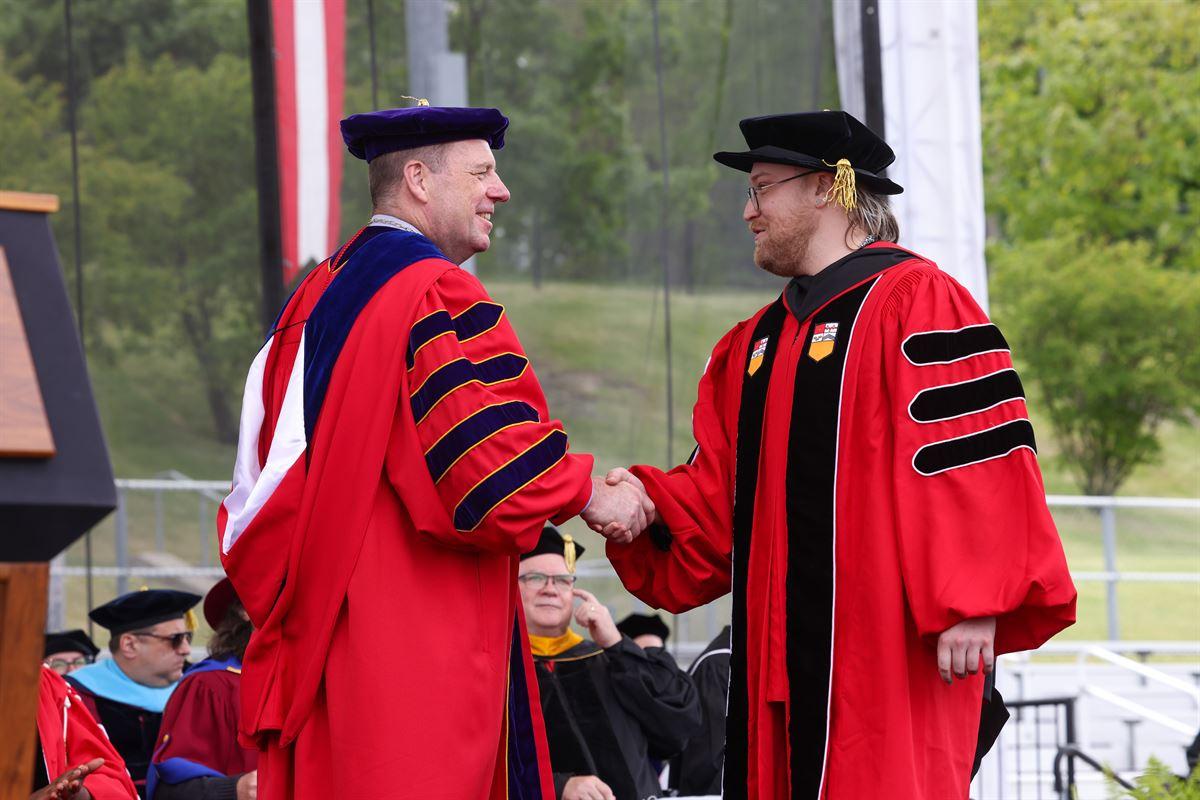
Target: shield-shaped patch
823, 339
757, 355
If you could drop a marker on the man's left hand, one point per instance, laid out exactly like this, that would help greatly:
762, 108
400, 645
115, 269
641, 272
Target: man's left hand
962, 647
595, 617
70, 783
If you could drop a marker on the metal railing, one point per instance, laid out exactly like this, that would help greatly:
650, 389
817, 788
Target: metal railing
1020, 750
209, 493
1107, 507
1070, 752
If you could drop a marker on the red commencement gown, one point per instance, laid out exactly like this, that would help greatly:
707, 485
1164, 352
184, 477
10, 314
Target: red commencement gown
69, 736
865, 478
396, 456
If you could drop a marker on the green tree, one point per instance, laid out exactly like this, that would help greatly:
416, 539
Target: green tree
1157, 782
1093, 178
171, 203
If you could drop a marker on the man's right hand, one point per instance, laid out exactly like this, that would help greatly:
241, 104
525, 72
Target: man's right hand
247, 786
618, 509
587, 787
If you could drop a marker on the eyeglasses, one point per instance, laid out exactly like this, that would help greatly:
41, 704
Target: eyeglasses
176, 639
754, 191
538, 579
62, 666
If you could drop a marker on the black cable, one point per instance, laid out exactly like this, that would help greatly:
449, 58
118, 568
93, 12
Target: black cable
87, 537
374, 71
663, 235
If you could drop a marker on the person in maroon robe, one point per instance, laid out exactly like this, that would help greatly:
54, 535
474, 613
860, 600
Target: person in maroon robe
198, 756
866, 484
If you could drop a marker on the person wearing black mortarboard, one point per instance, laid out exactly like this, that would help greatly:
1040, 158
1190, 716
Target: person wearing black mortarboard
67, 651
866, 485
609, 705
397, 455
646, 630
697, 769
151, 640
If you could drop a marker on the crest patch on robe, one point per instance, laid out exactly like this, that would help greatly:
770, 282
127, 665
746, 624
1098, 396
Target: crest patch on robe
823, 339
757, 355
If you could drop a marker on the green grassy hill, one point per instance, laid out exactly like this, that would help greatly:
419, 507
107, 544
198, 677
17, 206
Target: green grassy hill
598, 351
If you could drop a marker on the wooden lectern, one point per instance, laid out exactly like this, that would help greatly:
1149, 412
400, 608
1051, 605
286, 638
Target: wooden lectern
56, 481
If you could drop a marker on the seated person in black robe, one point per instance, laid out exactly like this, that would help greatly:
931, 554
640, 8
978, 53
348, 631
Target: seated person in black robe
68, 651
697, 770
609, 705
646, 630
151, 640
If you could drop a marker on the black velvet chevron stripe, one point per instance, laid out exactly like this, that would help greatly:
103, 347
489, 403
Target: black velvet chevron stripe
945, 347
510, 478
749, 444
982, 446
959, 399
449, 377
812, 468
479, 318
464, 436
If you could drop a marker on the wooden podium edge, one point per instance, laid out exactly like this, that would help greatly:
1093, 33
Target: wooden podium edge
29, 201
22, 612
24, 425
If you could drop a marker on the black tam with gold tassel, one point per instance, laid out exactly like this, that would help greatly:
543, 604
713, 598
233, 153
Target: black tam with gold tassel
829, 141
560, 544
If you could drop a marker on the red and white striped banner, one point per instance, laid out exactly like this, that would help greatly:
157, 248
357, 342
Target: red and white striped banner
310, 44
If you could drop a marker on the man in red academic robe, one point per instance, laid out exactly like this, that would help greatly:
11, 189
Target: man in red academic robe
396, 457
68, 735
865, 482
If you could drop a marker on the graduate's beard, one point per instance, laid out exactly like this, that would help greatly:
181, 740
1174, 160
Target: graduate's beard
784, 249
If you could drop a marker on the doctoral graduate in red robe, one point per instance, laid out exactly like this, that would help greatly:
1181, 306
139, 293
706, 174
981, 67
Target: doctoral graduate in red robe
396, 457
865, 478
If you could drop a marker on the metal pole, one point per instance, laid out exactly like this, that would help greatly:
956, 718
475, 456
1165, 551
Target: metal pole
374, 70
122, 544
1108, 524
266, 158
77, 213
663, 234
1070, 712
160, 536
87, 559
205, 539
872, 68
1131, 754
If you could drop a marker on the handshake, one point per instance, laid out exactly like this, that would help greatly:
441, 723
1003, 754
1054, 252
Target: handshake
620, 509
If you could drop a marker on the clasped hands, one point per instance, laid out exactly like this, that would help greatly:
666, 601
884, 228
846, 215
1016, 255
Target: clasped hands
620, 508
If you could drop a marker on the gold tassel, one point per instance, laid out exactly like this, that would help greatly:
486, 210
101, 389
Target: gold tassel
192, 622
843, 192
569, 552
421, 101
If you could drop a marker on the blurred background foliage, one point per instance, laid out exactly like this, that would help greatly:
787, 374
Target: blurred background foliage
1090, 115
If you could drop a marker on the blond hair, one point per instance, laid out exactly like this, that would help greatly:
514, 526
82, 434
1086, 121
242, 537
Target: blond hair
873, 215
